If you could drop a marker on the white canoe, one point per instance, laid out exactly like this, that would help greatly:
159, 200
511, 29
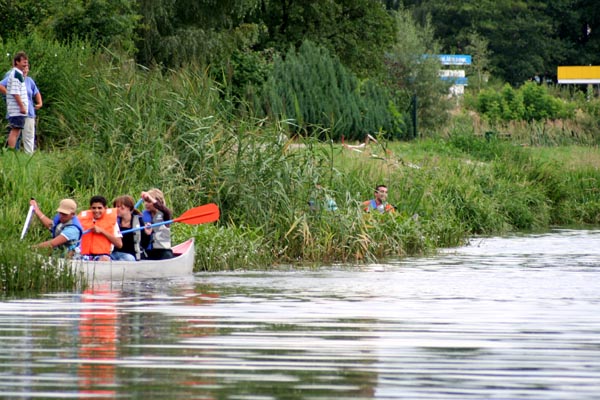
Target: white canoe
181, 265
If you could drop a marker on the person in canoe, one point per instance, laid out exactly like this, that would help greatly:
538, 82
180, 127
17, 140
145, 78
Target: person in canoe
159, 247
65, 227
129, 218
101, 232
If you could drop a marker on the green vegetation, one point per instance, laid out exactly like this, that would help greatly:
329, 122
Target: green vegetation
458, 187
25, 272
245, 103
296, 90
531, 102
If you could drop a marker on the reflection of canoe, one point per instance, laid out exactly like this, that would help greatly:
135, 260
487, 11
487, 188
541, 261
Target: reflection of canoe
181, 265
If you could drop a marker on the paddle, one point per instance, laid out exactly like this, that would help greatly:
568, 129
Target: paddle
194, 216
27, 221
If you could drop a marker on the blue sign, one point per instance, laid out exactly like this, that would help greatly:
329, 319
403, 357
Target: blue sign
455, 59
456, 80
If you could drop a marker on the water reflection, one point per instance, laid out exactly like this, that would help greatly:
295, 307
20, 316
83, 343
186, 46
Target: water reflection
504, 318
98, 331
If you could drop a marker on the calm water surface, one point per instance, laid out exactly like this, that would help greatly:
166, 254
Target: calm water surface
503, 318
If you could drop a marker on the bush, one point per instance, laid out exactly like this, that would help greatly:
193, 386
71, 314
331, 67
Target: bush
531, 102
314, 90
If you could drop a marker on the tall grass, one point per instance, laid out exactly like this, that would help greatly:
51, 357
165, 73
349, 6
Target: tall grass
121, 129
23, 272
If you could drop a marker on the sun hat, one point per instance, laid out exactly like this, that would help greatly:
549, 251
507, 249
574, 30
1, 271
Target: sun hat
67, 206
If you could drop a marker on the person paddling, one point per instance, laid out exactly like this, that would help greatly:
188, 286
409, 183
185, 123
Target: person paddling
65, 227
128, 218
156, 211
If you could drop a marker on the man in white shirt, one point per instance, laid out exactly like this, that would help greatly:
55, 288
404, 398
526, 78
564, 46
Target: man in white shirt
16, 98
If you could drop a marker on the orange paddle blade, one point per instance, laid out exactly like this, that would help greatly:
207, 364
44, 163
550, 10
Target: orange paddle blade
200, 215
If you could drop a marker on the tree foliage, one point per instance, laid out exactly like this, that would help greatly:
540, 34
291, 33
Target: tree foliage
526, 37
178, 32
313, 89
359, 32
108, 23
412, 69
531, 102
478, 48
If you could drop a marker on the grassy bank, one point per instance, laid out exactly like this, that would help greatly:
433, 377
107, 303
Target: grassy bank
106, 135
457, 187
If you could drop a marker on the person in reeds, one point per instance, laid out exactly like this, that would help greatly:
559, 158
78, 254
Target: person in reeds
101, 232
379, 202
129, 218
159, 247
65, 227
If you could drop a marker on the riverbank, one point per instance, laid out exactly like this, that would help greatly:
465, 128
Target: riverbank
444, 191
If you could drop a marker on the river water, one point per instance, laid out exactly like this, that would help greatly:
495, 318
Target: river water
503, 318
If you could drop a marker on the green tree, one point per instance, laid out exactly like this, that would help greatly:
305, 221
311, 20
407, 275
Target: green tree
413, 69
522, 34
20, 17
178, 32
478, 49
321, 97
359, 32
577, 25
99, 22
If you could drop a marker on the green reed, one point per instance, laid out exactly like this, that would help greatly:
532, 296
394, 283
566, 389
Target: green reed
123, 129
23, 271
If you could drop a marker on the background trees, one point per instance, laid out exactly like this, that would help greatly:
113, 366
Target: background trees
526, 37
379, 44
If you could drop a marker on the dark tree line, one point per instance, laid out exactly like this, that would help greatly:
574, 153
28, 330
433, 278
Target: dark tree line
525, 37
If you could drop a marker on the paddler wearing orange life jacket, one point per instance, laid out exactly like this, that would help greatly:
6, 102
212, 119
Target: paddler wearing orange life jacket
379, 203
101, 231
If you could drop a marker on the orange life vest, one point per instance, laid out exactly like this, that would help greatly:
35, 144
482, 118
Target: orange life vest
97, 243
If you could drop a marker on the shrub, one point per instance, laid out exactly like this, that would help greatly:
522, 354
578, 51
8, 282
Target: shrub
531, 102
314, 90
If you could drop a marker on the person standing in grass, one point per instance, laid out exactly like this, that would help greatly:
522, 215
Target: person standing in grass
65, 227
34, 97
17, 102
379, 202
101, 232
156, 211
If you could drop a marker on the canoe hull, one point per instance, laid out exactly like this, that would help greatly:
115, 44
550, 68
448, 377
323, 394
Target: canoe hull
181, 265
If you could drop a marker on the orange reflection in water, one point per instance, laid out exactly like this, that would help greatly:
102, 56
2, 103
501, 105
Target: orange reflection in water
98, 342
99, 333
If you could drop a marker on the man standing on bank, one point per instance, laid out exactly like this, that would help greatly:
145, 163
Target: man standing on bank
34, 97
17, 101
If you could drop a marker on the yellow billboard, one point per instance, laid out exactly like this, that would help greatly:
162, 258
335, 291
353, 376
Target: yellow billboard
579, 74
